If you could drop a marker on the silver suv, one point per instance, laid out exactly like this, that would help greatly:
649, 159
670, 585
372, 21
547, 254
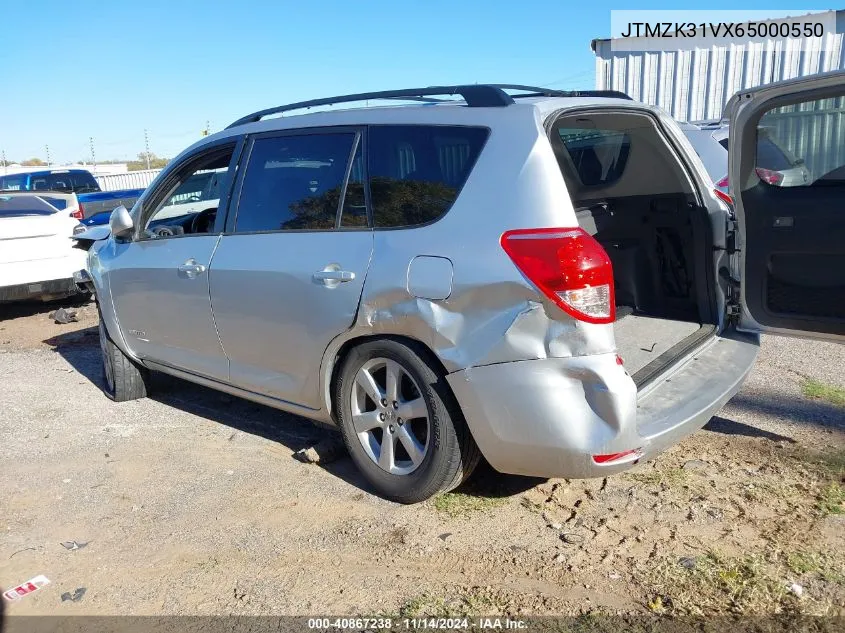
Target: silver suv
543, 279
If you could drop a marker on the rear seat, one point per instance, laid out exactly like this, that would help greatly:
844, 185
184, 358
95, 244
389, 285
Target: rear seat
632, 268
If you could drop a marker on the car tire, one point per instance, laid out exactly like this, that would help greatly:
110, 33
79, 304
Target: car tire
124, 379
449, 452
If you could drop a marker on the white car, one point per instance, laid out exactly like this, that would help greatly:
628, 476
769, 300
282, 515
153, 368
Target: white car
38, 259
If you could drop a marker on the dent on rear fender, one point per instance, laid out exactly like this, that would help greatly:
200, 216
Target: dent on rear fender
484, 326
476, 326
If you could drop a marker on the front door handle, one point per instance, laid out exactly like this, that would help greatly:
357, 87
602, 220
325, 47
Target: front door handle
191, 268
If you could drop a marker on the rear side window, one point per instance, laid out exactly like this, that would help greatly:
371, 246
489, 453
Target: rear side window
294, 182
12, 183
769, 154
83, 183
599, 156
417, 171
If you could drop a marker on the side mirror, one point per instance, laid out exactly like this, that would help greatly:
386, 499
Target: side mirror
120, 222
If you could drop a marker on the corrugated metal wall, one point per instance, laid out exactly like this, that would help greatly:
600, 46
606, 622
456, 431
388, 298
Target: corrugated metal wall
694, 85
814, 131
129, 180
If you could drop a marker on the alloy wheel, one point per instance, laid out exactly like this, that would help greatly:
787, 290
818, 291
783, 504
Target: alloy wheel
390, 416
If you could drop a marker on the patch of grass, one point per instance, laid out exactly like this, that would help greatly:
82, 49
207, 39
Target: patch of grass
717, 584
820, 391
670, 477
823, 564
748, 585
831, 500
455, 504
468, 603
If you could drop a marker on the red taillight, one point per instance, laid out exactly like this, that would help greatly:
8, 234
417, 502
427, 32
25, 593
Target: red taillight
615, 457
568, 266
721, 191
769, 176
79, 214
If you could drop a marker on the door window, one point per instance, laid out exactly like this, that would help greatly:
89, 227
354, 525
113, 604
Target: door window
294, 182
187, 201
803, 144
417, 171
354, 204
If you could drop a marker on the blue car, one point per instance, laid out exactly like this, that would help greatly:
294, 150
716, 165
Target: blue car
92, 201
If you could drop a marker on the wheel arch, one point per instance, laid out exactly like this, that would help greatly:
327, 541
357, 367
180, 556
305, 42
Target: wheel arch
105, 301
338, 350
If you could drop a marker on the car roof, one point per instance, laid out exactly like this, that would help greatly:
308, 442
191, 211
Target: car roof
445, 113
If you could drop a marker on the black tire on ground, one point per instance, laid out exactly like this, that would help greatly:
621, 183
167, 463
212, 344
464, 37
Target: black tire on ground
124, 379
452, 453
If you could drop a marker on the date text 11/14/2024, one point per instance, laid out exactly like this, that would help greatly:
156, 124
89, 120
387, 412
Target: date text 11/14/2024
422, 623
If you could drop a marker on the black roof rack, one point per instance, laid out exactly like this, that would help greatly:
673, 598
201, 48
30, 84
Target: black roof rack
535, 91
475, 95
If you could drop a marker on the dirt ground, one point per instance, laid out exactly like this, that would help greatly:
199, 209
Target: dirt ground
190, 502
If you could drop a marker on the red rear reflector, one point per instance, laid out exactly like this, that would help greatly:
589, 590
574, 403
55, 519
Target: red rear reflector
768, 176
613, 457
79, 214
619, 360
723, 196
568, 266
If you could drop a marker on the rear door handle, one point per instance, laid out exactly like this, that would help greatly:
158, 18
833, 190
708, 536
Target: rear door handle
191, 268
334, 275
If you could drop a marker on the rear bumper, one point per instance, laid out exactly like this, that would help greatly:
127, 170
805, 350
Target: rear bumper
549, 417
42, 277
52, 288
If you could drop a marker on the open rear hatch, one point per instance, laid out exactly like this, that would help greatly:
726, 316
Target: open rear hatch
634, 192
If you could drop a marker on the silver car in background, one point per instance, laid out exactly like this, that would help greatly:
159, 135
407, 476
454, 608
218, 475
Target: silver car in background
775, 164
544, 279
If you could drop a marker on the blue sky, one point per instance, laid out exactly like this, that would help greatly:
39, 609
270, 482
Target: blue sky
110, 70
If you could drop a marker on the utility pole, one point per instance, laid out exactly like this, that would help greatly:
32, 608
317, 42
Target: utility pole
147, 146
47, 149
93, 159
3, 153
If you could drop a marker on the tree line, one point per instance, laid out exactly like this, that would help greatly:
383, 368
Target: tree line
132, 165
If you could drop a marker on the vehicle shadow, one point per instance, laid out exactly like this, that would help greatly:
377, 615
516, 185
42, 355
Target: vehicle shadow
21, 309
81, 350
725, 426
485, 481
790, 408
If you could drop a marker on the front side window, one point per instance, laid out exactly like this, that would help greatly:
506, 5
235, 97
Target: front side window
294, 182
188, 204
417, 171
802, 145
599, 156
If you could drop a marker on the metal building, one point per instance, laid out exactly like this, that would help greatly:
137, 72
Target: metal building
694, 85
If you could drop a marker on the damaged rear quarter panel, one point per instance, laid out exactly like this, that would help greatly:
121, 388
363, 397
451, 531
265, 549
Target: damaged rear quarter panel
493, 314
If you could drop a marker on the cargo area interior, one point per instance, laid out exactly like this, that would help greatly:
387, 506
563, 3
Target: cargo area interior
631, 192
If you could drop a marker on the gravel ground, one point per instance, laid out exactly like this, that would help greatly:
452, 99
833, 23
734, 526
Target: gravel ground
190, 502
